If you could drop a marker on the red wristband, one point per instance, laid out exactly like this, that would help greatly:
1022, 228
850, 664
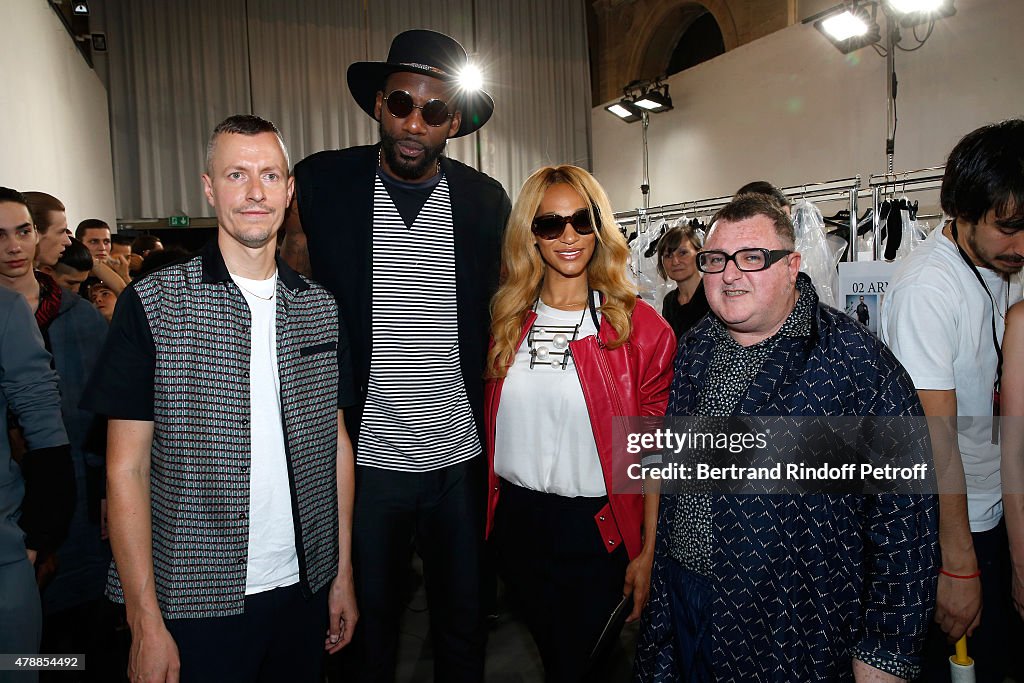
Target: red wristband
959, 576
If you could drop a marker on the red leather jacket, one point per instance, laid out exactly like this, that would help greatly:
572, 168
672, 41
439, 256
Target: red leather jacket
630, 380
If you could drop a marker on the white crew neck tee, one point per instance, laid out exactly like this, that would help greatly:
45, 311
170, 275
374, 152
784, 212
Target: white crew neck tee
273, 561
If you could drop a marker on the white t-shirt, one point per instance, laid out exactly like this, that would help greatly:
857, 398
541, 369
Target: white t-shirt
273, 561
543, 437
937, 319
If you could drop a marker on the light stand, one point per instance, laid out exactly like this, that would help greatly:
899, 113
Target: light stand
853, 24
639, 100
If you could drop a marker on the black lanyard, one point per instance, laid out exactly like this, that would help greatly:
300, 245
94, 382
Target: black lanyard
995, 336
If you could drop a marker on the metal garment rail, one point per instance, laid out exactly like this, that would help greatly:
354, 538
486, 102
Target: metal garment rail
847, 189
888, 184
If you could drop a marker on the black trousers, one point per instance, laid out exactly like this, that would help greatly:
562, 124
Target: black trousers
442, 512
280, 637
558, 571
94, 628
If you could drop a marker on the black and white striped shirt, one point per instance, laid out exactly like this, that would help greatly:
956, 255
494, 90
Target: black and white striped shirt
417, 415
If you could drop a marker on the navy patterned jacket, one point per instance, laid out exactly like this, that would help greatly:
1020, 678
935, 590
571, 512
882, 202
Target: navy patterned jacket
803, 584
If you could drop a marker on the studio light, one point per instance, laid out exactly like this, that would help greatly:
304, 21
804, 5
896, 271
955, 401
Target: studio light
655, 101
853, 24
80, 8
640, 98
626, 110
849, 28
912, 12
471, 78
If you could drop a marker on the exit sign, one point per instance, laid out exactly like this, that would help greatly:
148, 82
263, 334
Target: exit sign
178, 221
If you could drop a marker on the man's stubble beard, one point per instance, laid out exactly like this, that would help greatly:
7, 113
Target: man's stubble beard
404, 169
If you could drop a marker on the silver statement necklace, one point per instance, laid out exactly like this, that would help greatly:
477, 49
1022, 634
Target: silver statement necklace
550, 344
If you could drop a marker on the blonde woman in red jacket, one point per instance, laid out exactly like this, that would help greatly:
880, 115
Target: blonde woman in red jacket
572, 346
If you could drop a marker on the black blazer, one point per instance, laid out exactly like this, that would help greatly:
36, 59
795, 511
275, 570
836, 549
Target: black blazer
334, 190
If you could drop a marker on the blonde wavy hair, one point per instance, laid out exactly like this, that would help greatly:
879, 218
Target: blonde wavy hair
522, 268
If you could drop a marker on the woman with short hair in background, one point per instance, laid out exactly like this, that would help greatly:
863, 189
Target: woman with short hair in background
685, 305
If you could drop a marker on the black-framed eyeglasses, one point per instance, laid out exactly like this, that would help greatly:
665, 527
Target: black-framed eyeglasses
551, 225
401, 104
747, 260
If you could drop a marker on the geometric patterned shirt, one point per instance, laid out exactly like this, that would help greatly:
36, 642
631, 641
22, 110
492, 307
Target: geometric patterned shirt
178, 354
732, 371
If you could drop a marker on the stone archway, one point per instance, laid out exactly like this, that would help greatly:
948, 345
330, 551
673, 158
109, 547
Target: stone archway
656, 35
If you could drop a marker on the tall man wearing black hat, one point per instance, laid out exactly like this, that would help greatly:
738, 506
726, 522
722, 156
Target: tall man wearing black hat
409, 241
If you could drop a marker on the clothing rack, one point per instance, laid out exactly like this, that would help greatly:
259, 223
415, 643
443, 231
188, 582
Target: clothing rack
847, 189
879, 187
884, 185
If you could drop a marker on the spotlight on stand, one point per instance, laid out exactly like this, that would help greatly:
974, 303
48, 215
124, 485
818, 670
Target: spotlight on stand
850, 28
911, 12
639, 98
626, 110
852, 24
655, 101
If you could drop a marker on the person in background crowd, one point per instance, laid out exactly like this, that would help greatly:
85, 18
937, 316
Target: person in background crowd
95, 234
551, 510
230, 499
103, 298
677, 261
121, 249
51, 221
37, 487
144, 244
812, 587
943, 318
73, 267
76, 615
763, 187
120, 246
69, 274
157, 259
419, 414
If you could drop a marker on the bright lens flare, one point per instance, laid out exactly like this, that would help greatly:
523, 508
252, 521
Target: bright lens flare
845, 26
910, 6
471, 78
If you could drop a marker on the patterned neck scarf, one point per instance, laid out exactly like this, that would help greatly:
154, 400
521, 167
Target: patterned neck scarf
49, 300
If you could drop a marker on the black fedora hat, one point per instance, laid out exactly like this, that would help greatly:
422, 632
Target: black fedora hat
428, 53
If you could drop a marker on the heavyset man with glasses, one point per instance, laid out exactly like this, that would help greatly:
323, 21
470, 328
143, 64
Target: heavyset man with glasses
409, 242
812, 587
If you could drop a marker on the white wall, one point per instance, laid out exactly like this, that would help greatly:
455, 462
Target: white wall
54, 129
791, 109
